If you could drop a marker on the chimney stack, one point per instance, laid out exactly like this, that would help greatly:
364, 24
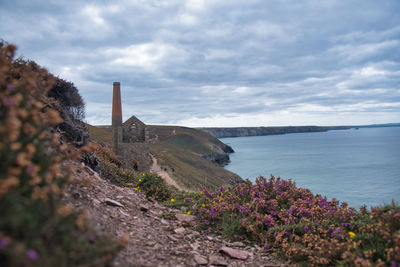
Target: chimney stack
116, 117
116, 105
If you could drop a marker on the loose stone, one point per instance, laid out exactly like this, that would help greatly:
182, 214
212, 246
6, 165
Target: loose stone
235, 253
111, 202
200, 260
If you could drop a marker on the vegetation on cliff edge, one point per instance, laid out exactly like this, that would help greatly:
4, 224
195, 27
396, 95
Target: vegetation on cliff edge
36, 227
297, 225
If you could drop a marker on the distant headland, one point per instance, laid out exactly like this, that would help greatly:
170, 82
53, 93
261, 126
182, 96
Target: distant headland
222, 132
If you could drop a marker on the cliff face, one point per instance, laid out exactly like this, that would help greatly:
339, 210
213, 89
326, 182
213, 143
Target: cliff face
220, 159
257, 131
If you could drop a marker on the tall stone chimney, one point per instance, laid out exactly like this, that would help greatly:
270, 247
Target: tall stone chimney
116, 117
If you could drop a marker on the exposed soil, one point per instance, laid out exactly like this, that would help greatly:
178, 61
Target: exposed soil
157, 236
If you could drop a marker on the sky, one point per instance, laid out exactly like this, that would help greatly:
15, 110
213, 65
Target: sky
219, 63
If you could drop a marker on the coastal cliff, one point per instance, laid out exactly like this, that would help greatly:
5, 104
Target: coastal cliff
258, 131
199, 142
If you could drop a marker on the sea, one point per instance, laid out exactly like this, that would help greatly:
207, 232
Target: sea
361, 167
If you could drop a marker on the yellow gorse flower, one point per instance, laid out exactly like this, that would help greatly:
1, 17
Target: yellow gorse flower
203, 205
351, 234
188, 213
172, 200
140, 180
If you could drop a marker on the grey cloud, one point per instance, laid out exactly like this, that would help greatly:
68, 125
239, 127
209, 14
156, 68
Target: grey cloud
213, 61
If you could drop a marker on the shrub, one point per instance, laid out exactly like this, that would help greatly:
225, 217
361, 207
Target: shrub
109, 164
70, 99
183, 200
36, 227
154, 186
301, 226
72, 110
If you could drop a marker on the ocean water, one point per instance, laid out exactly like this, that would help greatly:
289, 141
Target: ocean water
357, 166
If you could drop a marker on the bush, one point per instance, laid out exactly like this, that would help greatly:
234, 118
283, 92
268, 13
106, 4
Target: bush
72, 110
185, 201
36, 227
154, 186
109, 164
301, 226
67, 94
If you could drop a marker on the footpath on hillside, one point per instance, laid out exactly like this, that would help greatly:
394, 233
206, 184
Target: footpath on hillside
155, 235
156, 168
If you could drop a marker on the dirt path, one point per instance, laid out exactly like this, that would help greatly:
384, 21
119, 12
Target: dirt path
156, 168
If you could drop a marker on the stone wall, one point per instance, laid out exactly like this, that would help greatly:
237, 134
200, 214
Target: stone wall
134, 130
136, 156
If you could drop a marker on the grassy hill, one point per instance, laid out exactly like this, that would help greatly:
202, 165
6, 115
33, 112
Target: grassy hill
188, 138
100, 134
180, 151
189, 169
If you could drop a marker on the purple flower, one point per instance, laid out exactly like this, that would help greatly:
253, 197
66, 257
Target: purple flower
306, 228
29, 168
9, 102
32, 254
4, 242
187, 200
266, 246
10, 87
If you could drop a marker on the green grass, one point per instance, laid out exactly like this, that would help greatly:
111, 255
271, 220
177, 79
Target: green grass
187, 138
190, 170
99, 134
189, 142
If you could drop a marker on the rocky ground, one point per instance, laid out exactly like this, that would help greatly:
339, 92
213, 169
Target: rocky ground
158, 236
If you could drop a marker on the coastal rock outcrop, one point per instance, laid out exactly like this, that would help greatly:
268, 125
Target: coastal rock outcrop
220, 159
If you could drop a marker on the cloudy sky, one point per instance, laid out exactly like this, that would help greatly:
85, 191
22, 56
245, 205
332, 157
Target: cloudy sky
219, 62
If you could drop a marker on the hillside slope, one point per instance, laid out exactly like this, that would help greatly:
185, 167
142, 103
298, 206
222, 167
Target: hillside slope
189, 169
194, 140
182, 152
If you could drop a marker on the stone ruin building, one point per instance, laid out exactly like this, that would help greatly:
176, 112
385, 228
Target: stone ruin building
129, 139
